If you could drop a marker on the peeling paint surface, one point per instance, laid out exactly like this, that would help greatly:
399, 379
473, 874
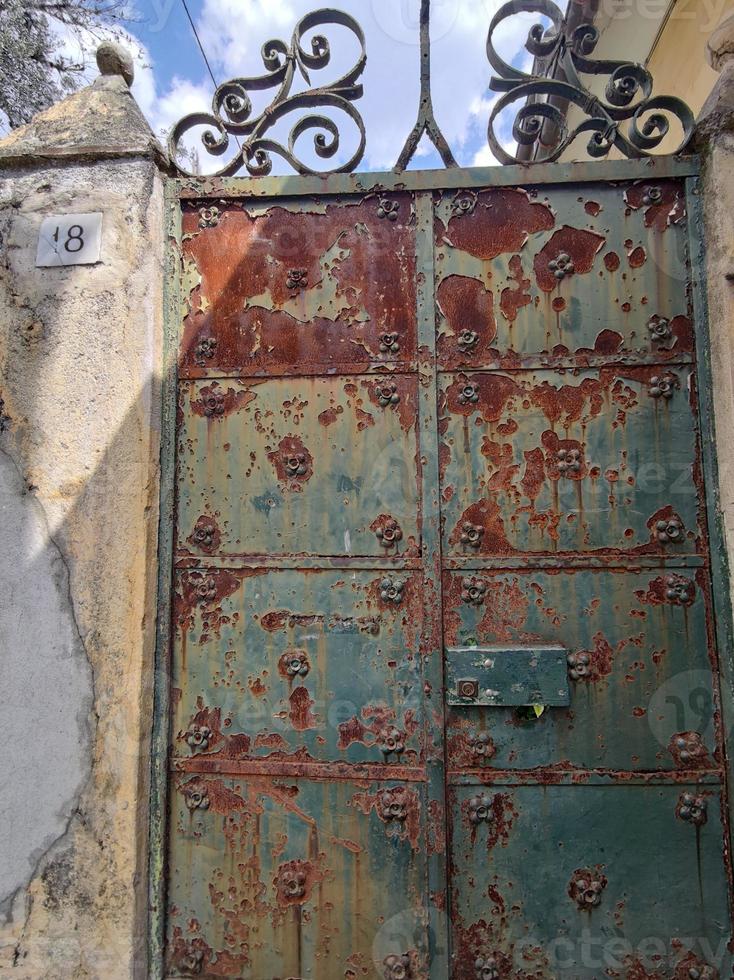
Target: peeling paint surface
473, 428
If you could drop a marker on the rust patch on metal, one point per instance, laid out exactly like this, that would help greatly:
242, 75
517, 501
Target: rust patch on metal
593, 208
300, 715
215, 401
487, 527
663, 203
436, 828
611, 261
637, 257
513, 298
501, 222
204, 589
467, 308
355, 270
330, 415
579, 244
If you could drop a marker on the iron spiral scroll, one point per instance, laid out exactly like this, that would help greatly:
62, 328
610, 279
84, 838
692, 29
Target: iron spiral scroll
564, 54
232, 109
628, 117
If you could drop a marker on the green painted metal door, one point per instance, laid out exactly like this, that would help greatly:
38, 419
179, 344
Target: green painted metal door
442, 685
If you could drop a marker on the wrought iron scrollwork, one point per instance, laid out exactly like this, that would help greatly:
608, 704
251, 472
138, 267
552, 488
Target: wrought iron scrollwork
232, 109
563, 52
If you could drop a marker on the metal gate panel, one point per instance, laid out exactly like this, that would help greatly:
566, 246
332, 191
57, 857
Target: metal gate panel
263, 868
602, 460
319, 466
634, 658
544, 274
288, 666
298, 286
588, 882
539, 334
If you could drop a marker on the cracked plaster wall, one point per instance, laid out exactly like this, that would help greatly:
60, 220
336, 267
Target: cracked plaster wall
79, 356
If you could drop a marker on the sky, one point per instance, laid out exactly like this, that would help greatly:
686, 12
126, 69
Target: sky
172, 79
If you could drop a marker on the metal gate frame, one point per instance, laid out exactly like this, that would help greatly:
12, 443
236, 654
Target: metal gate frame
423, 183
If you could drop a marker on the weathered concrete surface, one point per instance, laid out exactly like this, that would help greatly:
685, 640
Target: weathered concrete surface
102, 120
79, 361
715, 141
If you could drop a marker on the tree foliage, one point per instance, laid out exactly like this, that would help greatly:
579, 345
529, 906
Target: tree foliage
36, 37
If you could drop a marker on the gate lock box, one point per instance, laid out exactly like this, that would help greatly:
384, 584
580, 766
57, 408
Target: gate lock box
507, 676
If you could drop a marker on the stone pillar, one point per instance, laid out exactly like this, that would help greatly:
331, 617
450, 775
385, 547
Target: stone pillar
79, 445
715, 141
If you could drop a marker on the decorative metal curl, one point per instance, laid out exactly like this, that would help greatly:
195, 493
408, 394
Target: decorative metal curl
562, 54
232, 110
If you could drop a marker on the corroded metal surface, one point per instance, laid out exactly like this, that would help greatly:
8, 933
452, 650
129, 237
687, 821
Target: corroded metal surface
441, 423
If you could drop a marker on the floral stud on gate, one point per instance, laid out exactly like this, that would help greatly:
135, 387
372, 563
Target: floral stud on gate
391, 741
389, 343
392, 804
296, 279
679, 589
467, 341
486, 968
208, 217
669, 530
388, 208
692, 808
191, 961
471, 534
561, 266
586, 888
662, 386
568, 461
389, 534
198, 738
578, 665
291, 882
659, 328
205, 350
473, 591
481, 745
463, 203
391, 591
386, 393
206, 590
213, 404
469, 395
480, 809
295, 663
652, 195
397, 967
295, 464
196, 799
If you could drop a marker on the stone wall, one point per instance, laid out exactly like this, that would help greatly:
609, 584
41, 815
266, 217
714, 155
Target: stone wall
79, 447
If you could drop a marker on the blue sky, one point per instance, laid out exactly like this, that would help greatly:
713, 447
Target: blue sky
173, 79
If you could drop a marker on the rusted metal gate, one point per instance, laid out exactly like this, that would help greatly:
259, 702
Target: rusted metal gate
439, 459
442, 581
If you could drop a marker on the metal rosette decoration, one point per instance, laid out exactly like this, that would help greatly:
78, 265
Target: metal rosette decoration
561, 55
232, 109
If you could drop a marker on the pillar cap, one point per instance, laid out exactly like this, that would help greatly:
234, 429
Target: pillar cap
720, 46
113, 59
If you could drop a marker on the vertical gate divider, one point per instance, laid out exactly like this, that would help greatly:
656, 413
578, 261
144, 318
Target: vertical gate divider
162, 674
431, 647
719, 572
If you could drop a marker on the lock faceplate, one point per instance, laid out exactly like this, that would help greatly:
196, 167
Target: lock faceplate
507, 676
